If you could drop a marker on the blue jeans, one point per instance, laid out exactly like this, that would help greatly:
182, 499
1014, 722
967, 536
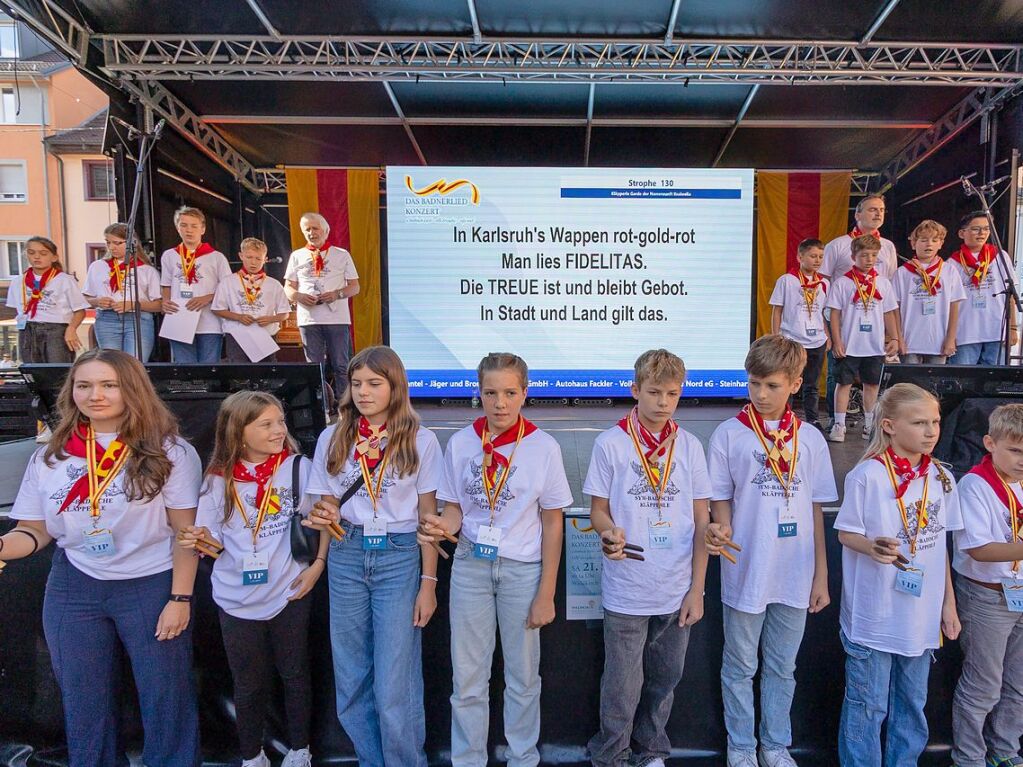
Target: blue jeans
111, 334
331, 344
204, 349
880, 685
984, 353
777, 632
486, 597
87, 622
378, 659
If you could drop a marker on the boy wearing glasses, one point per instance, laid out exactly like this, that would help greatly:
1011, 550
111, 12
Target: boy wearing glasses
979, 334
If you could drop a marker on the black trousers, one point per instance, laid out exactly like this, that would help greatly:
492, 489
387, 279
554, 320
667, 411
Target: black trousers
254, 648
811, 377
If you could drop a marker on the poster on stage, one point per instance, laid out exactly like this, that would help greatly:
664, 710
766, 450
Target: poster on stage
583, 565
576, 270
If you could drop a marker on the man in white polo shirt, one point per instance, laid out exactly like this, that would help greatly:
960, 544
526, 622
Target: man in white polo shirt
320, 279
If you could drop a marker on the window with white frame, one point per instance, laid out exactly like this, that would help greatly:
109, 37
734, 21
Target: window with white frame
8, 106
13, 181
8, 40
13, 261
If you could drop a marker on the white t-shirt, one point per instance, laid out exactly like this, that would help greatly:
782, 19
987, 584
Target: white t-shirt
97, 283
980, 315
657, 585
210, 270
838, 258
536, 481
803, 325
263, 601
398, 503
925, 317
143, 537
874, 614
770, 569
338, 269
985, 520
230, 296
61, 298
862, 332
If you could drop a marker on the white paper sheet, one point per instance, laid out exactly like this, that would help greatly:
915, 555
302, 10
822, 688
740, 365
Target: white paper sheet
255, 341
180, 326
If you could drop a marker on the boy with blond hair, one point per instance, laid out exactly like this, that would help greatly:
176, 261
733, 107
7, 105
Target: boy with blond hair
929, 299
189, 275
250, 298
648, 489
864, 329
987, 708
797, 312
769, 477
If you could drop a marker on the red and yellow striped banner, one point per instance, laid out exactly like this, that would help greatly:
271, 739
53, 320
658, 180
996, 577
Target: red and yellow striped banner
350, 201
792, 207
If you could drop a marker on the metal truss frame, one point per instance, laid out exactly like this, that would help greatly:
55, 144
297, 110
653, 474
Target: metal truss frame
790, 62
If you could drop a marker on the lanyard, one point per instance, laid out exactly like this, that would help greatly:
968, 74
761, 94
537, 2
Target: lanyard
251, 294
930, 283
188, 258
494, 492
809, 293
773, 452
1013, 518
368, 477
103, 471
39, 283
263, 507
657, 483
867, 299
921, 509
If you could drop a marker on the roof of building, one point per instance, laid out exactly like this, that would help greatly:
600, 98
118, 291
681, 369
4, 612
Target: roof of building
86, 138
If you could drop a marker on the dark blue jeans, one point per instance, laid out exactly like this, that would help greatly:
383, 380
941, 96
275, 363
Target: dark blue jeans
86, 622
331, 344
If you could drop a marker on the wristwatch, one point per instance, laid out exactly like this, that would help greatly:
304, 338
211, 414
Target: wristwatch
180, 598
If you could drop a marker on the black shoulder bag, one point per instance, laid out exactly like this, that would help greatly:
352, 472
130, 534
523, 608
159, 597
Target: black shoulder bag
305, 541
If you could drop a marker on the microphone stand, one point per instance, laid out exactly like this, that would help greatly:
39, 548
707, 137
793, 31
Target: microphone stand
147, 140
1009, 283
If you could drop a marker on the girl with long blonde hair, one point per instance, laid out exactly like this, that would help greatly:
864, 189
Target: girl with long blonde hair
897, 599
380, 600
245, 513
112, 487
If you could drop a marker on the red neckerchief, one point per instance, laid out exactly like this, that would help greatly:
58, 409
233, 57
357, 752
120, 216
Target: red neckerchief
930, 275
809, 283
188, 260
865, 282
986, 471
76, 446
252, 284
904, 469
778, 438
370, 443
654, 448
318, 256
118, 271
34, 290
505, 438
264, 474
857, 232
977, 267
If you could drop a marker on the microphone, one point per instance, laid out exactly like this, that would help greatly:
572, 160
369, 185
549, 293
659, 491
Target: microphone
968, 189
159, 128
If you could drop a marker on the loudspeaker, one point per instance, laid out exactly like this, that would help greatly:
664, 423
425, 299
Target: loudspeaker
194, 393
968, 395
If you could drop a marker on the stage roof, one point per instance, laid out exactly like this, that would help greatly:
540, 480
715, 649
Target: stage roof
872, 86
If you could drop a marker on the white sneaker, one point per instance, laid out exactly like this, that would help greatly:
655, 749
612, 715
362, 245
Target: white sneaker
837, 433
742, 758
866, 431
300, 758
259, 761
776, 757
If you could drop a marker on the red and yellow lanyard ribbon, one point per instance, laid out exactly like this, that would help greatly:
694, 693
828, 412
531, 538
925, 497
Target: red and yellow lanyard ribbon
103, 471
492, 491
30, 300
1014, 515
866, 296
931, 284
921, 508
776, 450
264, 506
655, 476
809, 291
368, 477
251, 288
188, 258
